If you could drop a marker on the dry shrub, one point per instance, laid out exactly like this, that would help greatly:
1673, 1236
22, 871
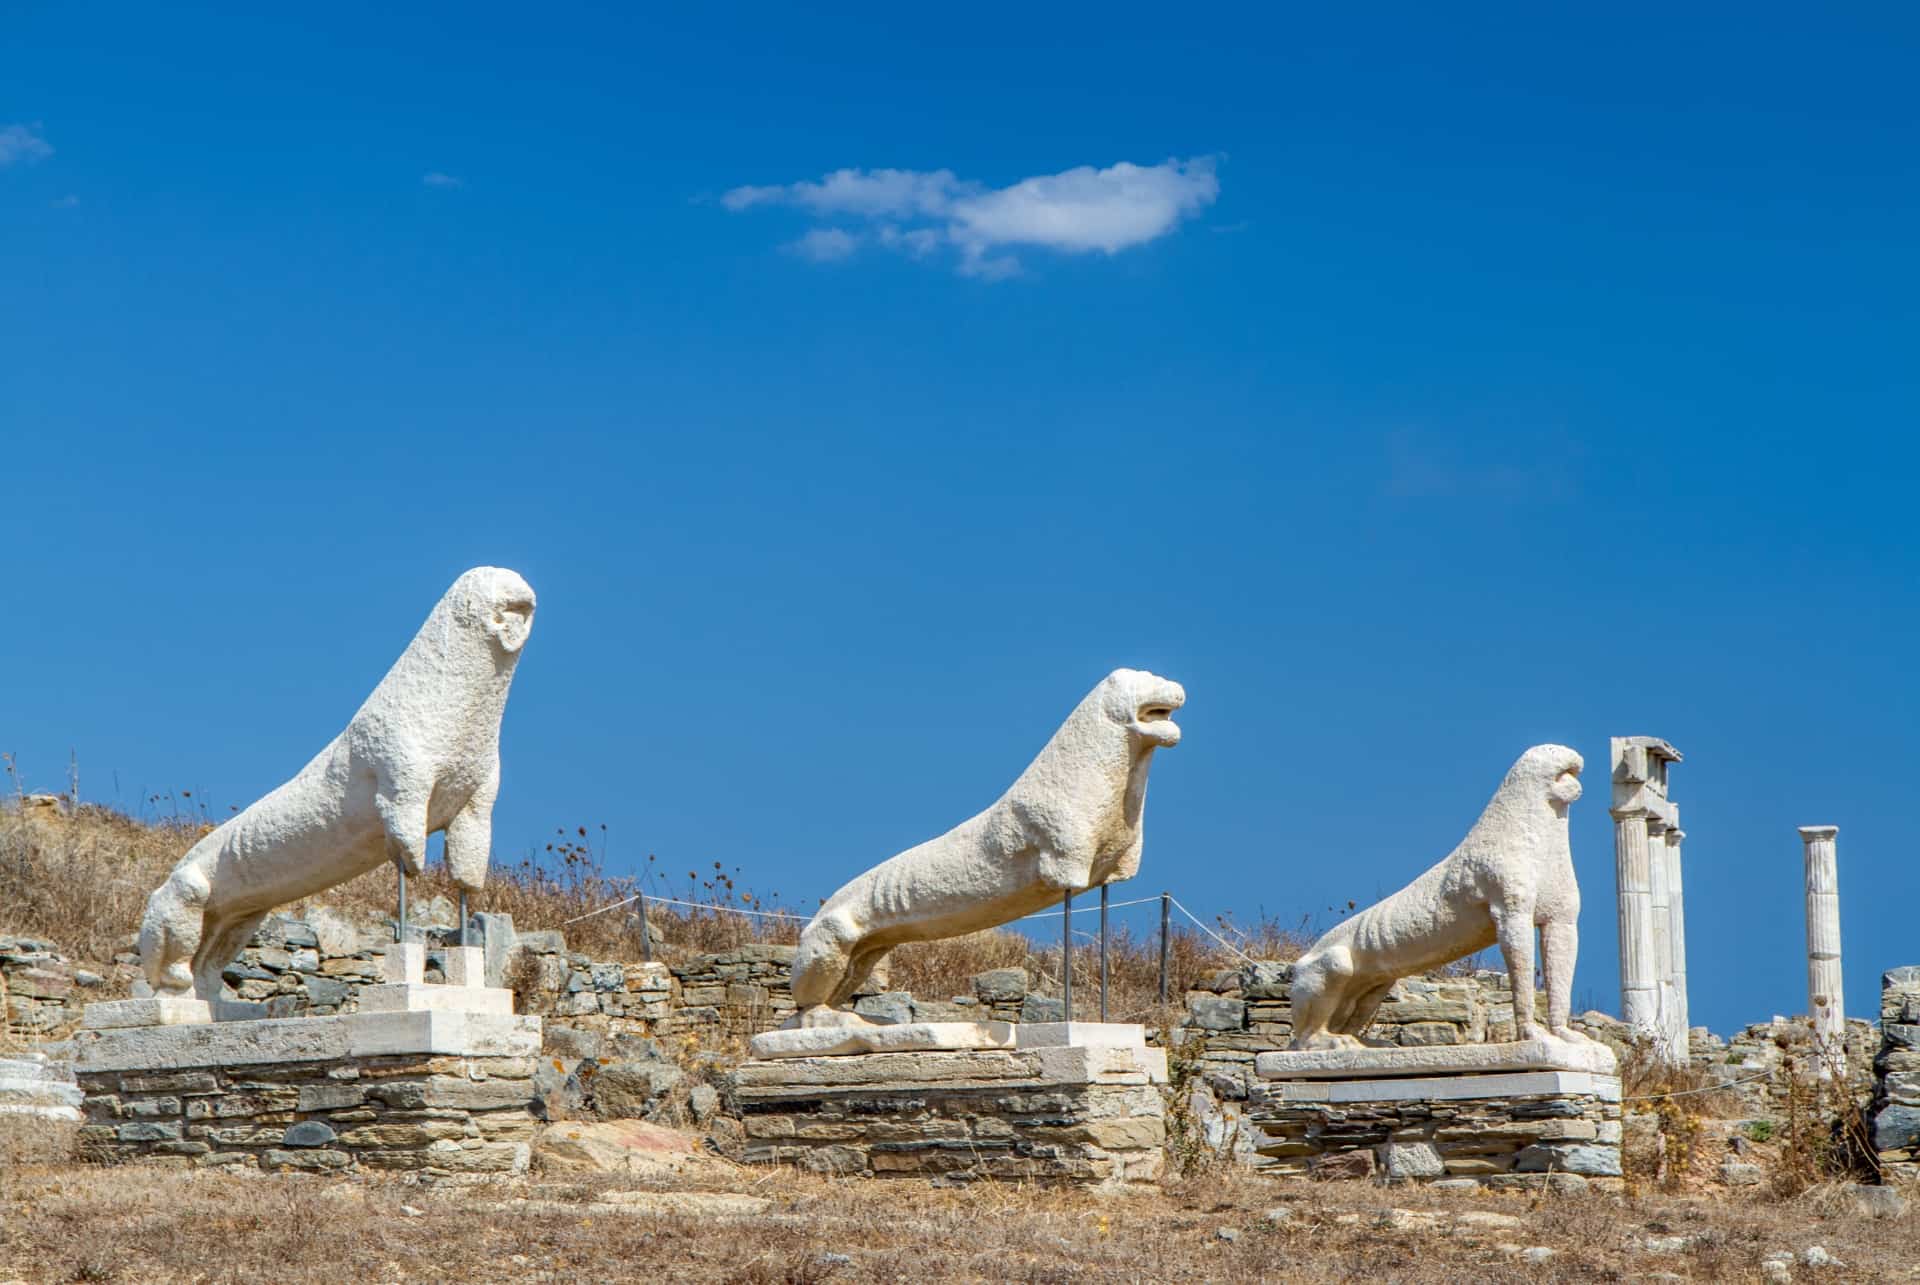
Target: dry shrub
938, 969
82, 880
1825, 1136
35, 1140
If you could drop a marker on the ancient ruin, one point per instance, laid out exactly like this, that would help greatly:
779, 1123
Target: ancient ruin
1065, 1102
1652, 910
1826, 996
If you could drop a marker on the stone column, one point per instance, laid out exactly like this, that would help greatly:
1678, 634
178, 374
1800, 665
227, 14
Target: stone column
1660, 919
1825, 1002
1680, 1023
1639, 985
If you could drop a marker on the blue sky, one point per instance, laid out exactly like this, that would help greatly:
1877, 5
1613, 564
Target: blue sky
1429, 387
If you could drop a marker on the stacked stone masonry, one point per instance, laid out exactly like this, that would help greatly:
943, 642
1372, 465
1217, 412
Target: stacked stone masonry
1084, 1116
1896, 1098
436, 1116
40, 989
1239, 1013
1511, 1140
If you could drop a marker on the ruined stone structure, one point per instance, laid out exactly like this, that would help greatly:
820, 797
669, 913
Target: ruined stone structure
1501, 1129
1052, 1113
1826, 997
1896, 1098
1652, 906
437, 1114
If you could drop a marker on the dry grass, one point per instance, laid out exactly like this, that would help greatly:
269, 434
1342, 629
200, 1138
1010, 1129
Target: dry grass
82, 882
140, 1224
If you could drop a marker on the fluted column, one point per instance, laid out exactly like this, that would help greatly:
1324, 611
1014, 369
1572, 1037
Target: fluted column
1825, 1003
1633, 879
1680, 1023
1659, 918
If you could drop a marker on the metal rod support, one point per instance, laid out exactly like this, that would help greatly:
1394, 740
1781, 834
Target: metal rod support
646, 932
1103, 952
1166, 923
463, 916
400, 918
1066, 956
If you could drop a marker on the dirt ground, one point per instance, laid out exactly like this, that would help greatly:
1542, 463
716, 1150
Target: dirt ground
67, 1222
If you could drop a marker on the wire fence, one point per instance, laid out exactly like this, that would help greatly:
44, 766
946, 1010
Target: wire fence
1166, 901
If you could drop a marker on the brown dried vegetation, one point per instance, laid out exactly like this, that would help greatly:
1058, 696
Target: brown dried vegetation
82, 882
63, 1223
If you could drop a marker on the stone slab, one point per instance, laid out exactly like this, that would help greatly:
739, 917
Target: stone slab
952, 1069
1036, 1035
158, 1010
412, 998
900, 1037
307, 1039
38, 1088
1435, 1059
1448, 1088
404, 964
464, 965
927, 1037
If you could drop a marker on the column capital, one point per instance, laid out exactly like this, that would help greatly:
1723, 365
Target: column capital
1627, 814
1675, 834
1811, 833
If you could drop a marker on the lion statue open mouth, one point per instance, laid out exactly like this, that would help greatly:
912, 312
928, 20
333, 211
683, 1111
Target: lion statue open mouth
1072, 821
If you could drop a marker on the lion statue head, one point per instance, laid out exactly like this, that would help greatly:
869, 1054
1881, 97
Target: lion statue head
1553, 769
1143, 703
498, 603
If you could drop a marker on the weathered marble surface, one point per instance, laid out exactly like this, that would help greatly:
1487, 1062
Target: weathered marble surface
33, 1086
1436, 1059
919, 1037
301, 1039
1512, 873
421, 755
1073, 820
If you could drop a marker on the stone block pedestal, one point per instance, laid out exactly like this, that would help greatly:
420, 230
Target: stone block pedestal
33, 1086
435, 1092
1479, 1112
1064, 1113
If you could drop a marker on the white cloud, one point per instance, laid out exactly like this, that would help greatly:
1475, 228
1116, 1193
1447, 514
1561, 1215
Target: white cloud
1079, 211
873, 193
22, 143
825, 245
437, 179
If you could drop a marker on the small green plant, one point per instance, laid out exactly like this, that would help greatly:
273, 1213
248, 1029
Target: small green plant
1760, 1130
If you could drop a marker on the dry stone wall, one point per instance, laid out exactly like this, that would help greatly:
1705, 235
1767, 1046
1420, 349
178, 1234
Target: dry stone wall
1067, 1115
1896, 1097
1516, 1139
432, 1115
1238, 1013
41, 990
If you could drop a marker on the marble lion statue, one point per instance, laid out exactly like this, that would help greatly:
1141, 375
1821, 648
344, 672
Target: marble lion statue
1512, 873
1072, 821
421, 755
